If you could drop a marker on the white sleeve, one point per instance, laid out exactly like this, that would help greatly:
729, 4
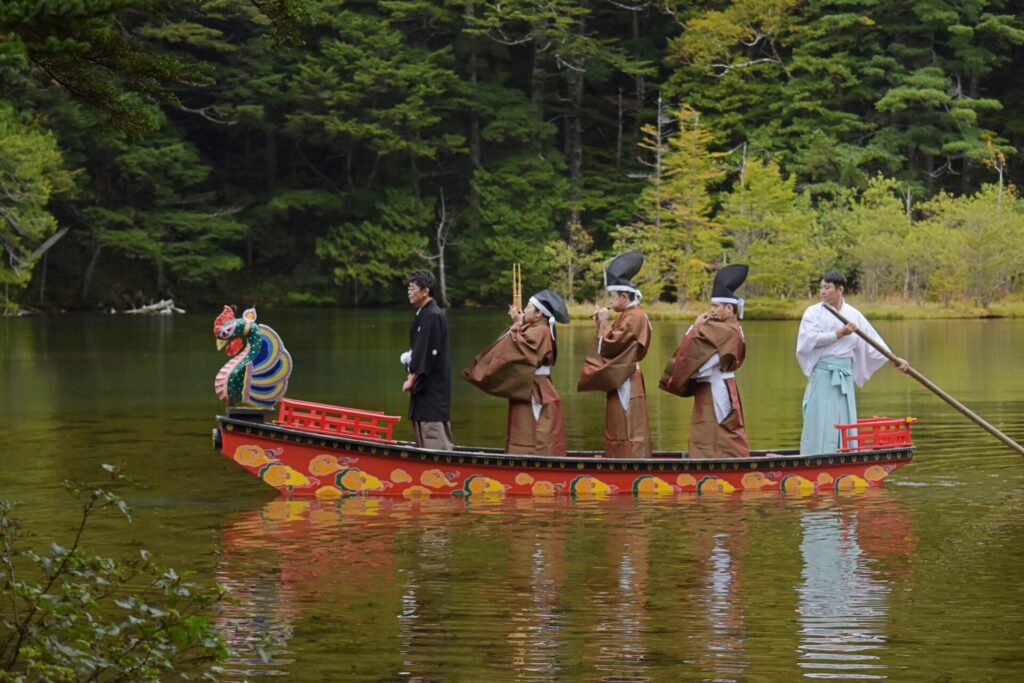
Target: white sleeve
867, 360
813, 334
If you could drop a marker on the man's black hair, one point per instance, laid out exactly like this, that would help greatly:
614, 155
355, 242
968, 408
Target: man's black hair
423, 279
835, 277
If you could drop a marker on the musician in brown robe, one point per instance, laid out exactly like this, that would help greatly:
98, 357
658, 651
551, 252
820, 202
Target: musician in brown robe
703, 366
518, 367
613, 364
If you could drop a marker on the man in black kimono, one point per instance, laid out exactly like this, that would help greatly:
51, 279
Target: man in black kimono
429, 381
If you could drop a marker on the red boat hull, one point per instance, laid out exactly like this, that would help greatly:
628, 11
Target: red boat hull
300, 463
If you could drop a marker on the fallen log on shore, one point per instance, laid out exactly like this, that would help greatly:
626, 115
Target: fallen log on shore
165, 307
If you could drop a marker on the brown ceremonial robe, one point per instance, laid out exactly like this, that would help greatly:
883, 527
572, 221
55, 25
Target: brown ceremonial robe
708, 438
614, 358
506, 369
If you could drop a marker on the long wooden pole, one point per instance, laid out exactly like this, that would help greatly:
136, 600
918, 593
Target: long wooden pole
932, 387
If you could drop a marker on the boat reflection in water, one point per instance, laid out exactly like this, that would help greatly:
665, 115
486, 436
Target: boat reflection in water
844, 601
723, 553
618, 589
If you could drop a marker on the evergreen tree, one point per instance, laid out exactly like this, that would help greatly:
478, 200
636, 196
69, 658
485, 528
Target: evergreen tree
840, 90
152, 206
378, 253
82, 48
675, 228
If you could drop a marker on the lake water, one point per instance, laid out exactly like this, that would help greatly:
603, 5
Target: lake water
918, 580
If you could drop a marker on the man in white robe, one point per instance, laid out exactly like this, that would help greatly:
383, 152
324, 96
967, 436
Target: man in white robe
834, 358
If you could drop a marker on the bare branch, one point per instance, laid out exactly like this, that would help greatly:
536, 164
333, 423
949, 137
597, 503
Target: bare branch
425, 256
45, 246
442, 231
722, 69
313, 168
504, 40
12, 218
205, 113
629, 8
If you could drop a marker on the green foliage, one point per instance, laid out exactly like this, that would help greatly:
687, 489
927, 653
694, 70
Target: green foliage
391, 90
574, 266
296, 150
521, 202
775, 231
882, 86
32, 171
879, 226
375, 254
676, 228
155, 210
976, 243
71, 616
80, 47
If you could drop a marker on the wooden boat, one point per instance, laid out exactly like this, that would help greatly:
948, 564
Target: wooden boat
315, 449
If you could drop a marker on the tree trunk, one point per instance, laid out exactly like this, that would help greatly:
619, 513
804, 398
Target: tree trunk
657, 169
348, 169
161, 278
474, 135
89, 270
570, 297
270, 171
574, 137
537, 78
415, 170
42, 277
442, 241
441, 280
639, 82
929, 170
269, 184
618, 133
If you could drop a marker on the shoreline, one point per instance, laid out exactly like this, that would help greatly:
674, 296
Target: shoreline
755, 309
774, 309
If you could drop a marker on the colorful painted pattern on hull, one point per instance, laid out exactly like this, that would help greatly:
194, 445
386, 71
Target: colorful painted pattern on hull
315, 465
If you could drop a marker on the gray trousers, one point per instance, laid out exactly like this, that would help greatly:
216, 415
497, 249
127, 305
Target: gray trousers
436, 436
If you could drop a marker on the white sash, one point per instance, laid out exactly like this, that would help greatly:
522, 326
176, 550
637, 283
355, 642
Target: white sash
542, 371
624, 391
712, 374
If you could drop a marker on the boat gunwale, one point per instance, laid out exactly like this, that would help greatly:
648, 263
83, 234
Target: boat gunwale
495, 457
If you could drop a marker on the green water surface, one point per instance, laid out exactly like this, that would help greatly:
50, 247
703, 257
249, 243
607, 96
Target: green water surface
917, 581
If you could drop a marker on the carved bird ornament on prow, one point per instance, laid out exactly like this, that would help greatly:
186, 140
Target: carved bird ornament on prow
258, 366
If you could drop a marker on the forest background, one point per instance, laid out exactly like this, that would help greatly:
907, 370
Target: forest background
311, 152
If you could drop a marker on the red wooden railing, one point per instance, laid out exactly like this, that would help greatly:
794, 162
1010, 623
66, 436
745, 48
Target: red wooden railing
323, 418
876, 432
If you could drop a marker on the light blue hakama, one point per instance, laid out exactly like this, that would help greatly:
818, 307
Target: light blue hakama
828, 400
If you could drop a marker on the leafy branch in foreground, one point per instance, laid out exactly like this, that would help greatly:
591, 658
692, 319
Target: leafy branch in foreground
66, 615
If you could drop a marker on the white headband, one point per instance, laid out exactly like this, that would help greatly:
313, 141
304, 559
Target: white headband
541, 307
730, 300
625, 288
544, 310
